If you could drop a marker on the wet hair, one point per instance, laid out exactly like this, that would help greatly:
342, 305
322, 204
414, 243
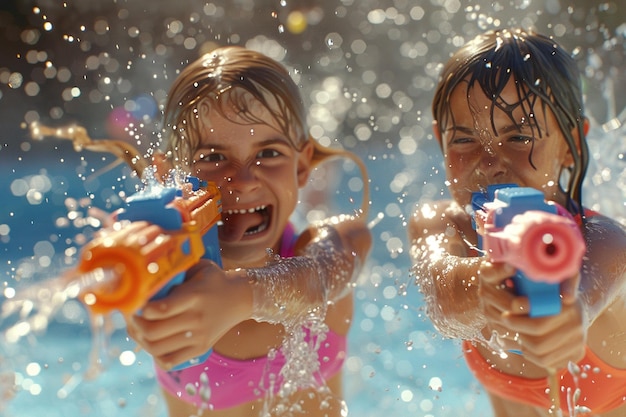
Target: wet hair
543, 71
225, 80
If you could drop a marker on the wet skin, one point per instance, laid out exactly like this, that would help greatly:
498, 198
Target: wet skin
476, 155
464, 293
259, 172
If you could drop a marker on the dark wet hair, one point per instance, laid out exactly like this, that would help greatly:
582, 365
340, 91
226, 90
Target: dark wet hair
544, 72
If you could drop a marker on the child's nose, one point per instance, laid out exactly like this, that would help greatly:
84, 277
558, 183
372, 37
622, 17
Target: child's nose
491, 164
242, 179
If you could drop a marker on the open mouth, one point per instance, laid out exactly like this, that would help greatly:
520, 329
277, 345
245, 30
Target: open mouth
245, 222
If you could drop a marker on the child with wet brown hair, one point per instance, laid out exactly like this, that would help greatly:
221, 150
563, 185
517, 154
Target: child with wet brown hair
509, 110
235, 117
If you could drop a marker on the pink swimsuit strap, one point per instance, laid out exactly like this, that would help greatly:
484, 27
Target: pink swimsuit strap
288, 241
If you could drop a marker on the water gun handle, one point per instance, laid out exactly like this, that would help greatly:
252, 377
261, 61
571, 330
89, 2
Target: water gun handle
212, 252
539, 239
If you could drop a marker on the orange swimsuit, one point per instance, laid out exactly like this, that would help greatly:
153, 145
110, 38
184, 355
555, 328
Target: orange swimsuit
602, 387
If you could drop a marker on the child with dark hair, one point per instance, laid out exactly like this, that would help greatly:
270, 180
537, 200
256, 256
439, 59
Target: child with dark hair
509, 109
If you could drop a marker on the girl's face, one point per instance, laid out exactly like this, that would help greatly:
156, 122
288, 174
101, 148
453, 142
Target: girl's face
259, 173
519, 152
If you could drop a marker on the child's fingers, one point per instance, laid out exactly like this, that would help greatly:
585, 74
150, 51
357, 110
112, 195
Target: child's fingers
554, 358
175, 303
570, 318
162, 329
160, 310
495, 273
556, 349
569, 290
496, 297
519, 306
180, 356
168, 345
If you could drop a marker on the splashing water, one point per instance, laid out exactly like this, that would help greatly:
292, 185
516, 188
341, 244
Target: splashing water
300, 349
37, 304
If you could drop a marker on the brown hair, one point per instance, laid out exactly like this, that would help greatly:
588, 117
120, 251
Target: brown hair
224, 79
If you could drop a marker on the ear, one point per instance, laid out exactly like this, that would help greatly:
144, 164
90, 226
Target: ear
305, 159
437, 132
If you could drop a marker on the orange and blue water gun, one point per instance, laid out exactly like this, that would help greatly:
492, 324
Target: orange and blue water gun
160, 233
539, 238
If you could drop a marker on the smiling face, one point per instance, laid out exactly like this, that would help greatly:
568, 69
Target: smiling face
487, 145
259, 173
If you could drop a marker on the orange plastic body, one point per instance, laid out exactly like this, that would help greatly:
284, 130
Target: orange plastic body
145, 257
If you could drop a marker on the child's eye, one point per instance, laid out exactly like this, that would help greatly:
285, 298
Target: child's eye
461, 140
211, 157
525, 140
268, 153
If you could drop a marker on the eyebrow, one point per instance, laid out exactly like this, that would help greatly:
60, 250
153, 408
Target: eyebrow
504, 130
267, 142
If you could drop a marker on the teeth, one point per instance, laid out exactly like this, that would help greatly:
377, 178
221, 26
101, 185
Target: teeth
259, 230
244, 211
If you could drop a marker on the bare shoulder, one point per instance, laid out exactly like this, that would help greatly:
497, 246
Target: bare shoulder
600, 224
606, 240
604, 274
350, 232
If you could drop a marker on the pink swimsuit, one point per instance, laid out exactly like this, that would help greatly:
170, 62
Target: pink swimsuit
221, 382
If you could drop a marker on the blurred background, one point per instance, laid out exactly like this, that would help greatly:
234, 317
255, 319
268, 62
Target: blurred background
367, 69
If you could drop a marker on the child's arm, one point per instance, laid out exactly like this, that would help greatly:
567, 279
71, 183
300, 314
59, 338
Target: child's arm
550, 342
553, 341
199, 312
445, 269
603, 275
328, 258
466, 298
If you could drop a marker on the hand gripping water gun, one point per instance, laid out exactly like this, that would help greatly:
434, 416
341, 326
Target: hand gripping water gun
517, 226
162, 232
